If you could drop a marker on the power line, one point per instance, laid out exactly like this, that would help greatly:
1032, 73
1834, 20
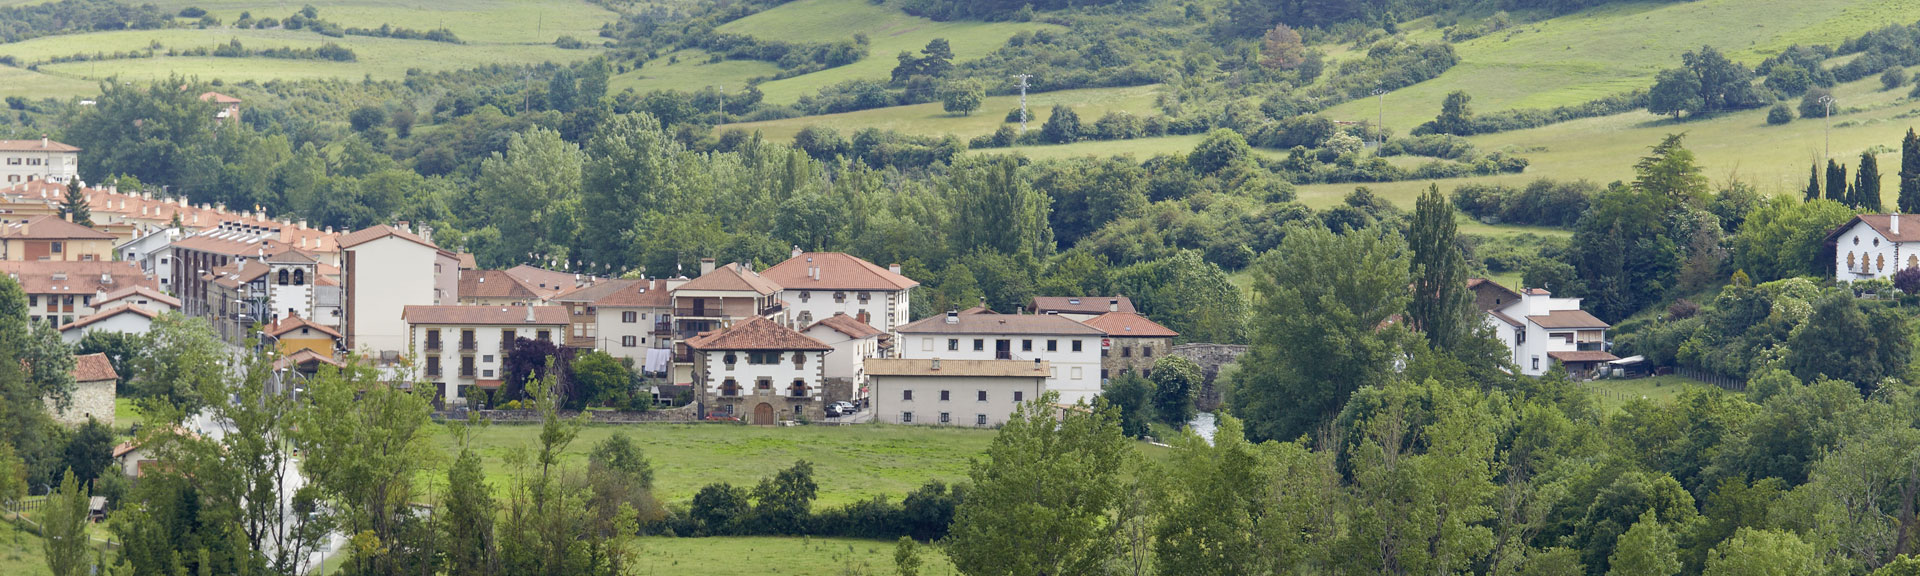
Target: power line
1023, 99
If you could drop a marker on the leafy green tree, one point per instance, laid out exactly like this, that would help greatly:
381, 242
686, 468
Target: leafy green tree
720, 508
962, 97
1844, 342
64, 528
1133, 397
1620, 505
89, 451
1909, 200
142, 130
366, 118
364, 443
1062, 127
1419, 507
1456, 116
1901, 566
122, 350
1675, 92
1189, 295
1175, 382
532, 193
1233, 507
1783, 238
1754, 552
630, 171
1043, 498
906, 557
1671, 172
1813, 183
49, 364
469, 511
996, 208
74, 206
13, 474
1222, 148
782, 503
1866, 184
1442, 308
599, 378
184, 362
1322, 299
1647, 549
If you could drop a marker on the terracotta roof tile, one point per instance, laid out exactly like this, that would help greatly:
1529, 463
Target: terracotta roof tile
51, 228
837, 271
1001, 324
485, 315
35, 146
844, 324
377, 232
151, 293
109, 312
956, 368
1567, 319
732, 278
755, 333
494, 284
622, 293
548, 283
295, 322
1079, 304
54, 277
1130, 325
93, 368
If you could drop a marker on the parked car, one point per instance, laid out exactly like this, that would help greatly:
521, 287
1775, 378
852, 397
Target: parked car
840, 409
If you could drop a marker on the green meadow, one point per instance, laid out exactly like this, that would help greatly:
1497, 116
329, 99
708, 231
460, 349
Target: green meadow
929, 118
483, 21
758, 556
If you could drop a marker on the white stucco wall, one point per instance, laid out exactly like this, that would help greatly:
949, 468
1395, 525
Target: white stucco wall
128, 322
610, 328
963, 406
487, 352
885, 310
1075, 375
386, 276
1867, 246
782, 373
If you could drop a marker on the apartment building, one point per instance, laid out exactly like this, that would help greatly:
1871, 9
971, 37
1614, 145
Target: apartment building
1070, 349
387, 269
818, 285
461, 349
65, 292
49, 237
38, 160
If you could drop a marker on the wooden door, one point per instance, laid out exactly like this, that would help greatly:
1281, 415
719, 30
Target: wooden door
763, 414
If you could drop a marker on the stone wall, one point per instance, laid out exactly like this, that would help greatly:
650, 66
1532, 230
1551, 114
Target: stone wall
677, 414
1210, 357
89, 399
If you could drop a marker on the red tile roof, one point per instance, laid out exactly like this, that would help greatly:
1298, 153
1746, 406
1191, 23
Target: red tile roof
485, 315
50, 228
1048, 324
109, 312
755, 333
844, 324
56, 277
732, 278
377, 232
1567, 319
622, 293
93, 368
1079, 304
35, 146
1129, 325
494, 284
151, 294
836, 271
548, 283
305, 356
294, 322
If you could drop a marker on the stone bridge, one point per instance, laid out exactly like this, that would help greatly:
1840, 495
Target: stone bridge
1210, 357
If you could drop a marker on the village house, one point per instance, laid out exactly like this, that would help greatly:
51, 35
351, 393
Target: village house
1082, 308
760, 371
818, 285
854, 343
461, 349
387, 269
292, 333
51, 238
627, 318
65, 292
1133, 342
38, 160
941, 392
1541, 330
93, 392
140, 295
1071, 349
717, 299
229, 106
1875, 246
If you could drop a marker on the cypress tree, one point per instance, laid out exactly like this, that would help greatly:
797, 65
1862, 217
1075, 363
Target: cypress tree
1441, 307
1813, 182
74, 208
1837, 182
1909, 201
1866, 184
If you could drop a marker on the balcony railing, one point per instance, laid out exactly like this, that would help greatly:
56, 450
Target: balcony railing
468, 345
433, 345
662, 328
708, 312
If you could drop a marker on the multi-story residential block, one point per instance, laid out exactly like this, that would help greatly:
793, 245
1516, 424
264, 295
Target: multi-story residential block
386, 270
757, 370
460, 349
818, 285
1133, 342
65, 292
1541, 330
264, 290
1082, 308
624, 317
1071, 349
38, 160
939, 392
144, 250
854, 342
51, 238
717, 299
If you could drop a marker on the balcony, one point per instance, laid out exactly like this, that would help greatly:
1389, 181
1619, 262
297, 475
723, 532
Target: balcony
662, 328
702, 312
433, 345
776, 308
682, 354
468, 345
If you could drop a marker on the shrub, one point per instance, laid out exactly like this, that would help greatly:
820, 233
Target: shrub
1780, 114
1893, 78
192, 12
1810, 106
1907, 280
1682, 309
568, 43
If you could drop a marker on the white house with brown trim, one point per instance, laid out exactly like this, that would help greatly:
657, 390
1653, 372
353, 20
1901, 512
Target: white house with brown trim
37, 160
854, 343
760, 371
1875, 246
936, 392
819, 285
1541, 330
457, 348
1070, 349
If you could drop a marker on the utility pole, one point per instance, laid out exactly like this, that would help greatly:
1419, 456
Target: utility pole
1827, 101
723, 104
1381, 128
1023, 99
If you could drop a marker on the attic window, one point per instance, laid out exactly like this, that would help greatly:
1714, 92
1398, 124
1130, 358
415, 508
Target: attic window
1876, 241
1856, 240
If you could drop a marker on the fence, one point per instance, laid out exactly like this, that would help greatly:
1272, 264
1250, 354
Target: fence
1725, 383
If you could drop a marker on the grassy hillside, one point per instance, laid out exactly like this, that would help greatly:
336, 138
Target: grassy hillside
490, 21
889, 31
928, 118
754, 556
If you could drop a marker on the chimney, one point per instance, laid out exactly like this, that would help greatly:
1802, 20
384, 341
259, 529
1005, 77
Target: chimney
1113, 305
44, 142
404, 226
706, 266
1896, 222
530, 314
894, 268
953, 316
796, 251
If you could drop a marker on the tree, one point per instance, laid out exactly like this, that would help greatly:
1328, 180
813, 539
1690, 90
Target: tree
64, 527
1317, 321
1837, 184
533, 359
1893, 78
532, 193
1813, 183
1844, 342
49, 364
1133, 396
599, 378
123, 349
365, 442
367, 118
1234, 507
1062, 127
1282, 49
74, 206
1175, 382
13, 474
1866, 184
1647, 549
1442, 308
1909, 200
184, 361
718, 509
1420, 507
1783, 238
1754, 552
1456, 116
996, 209
937, 59
1043, 498
469, 511
1724, 84
962, 97
782, 503
1675, 92
1779, 114
90, 451
906, 557
1221, 149
1670, 171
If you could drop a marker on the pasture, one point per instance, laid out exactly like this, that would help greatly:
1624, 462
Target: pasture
757, 556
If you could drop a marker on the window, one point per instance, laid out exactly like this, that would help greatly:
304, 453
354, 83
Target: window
864, 298
1076, 345
906, 394
798, 389
545, 335
488, 358
283, 277
983, 396
488, 373
13, 161
763, 383
56, 247
1019, 395
763, 357
906, 417
1103, 374
466, 340
1076, 372
1026, 345
1126, 351
629, 317
805, 296
799, 360
979, 344
944, 395
1536, 362
729, 387
433, 365
953, 344
1563, 336
945, 418
299, 277
979, 419
506, 339
628, 341
466, 366
839, 297
1146, 351
433, 339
